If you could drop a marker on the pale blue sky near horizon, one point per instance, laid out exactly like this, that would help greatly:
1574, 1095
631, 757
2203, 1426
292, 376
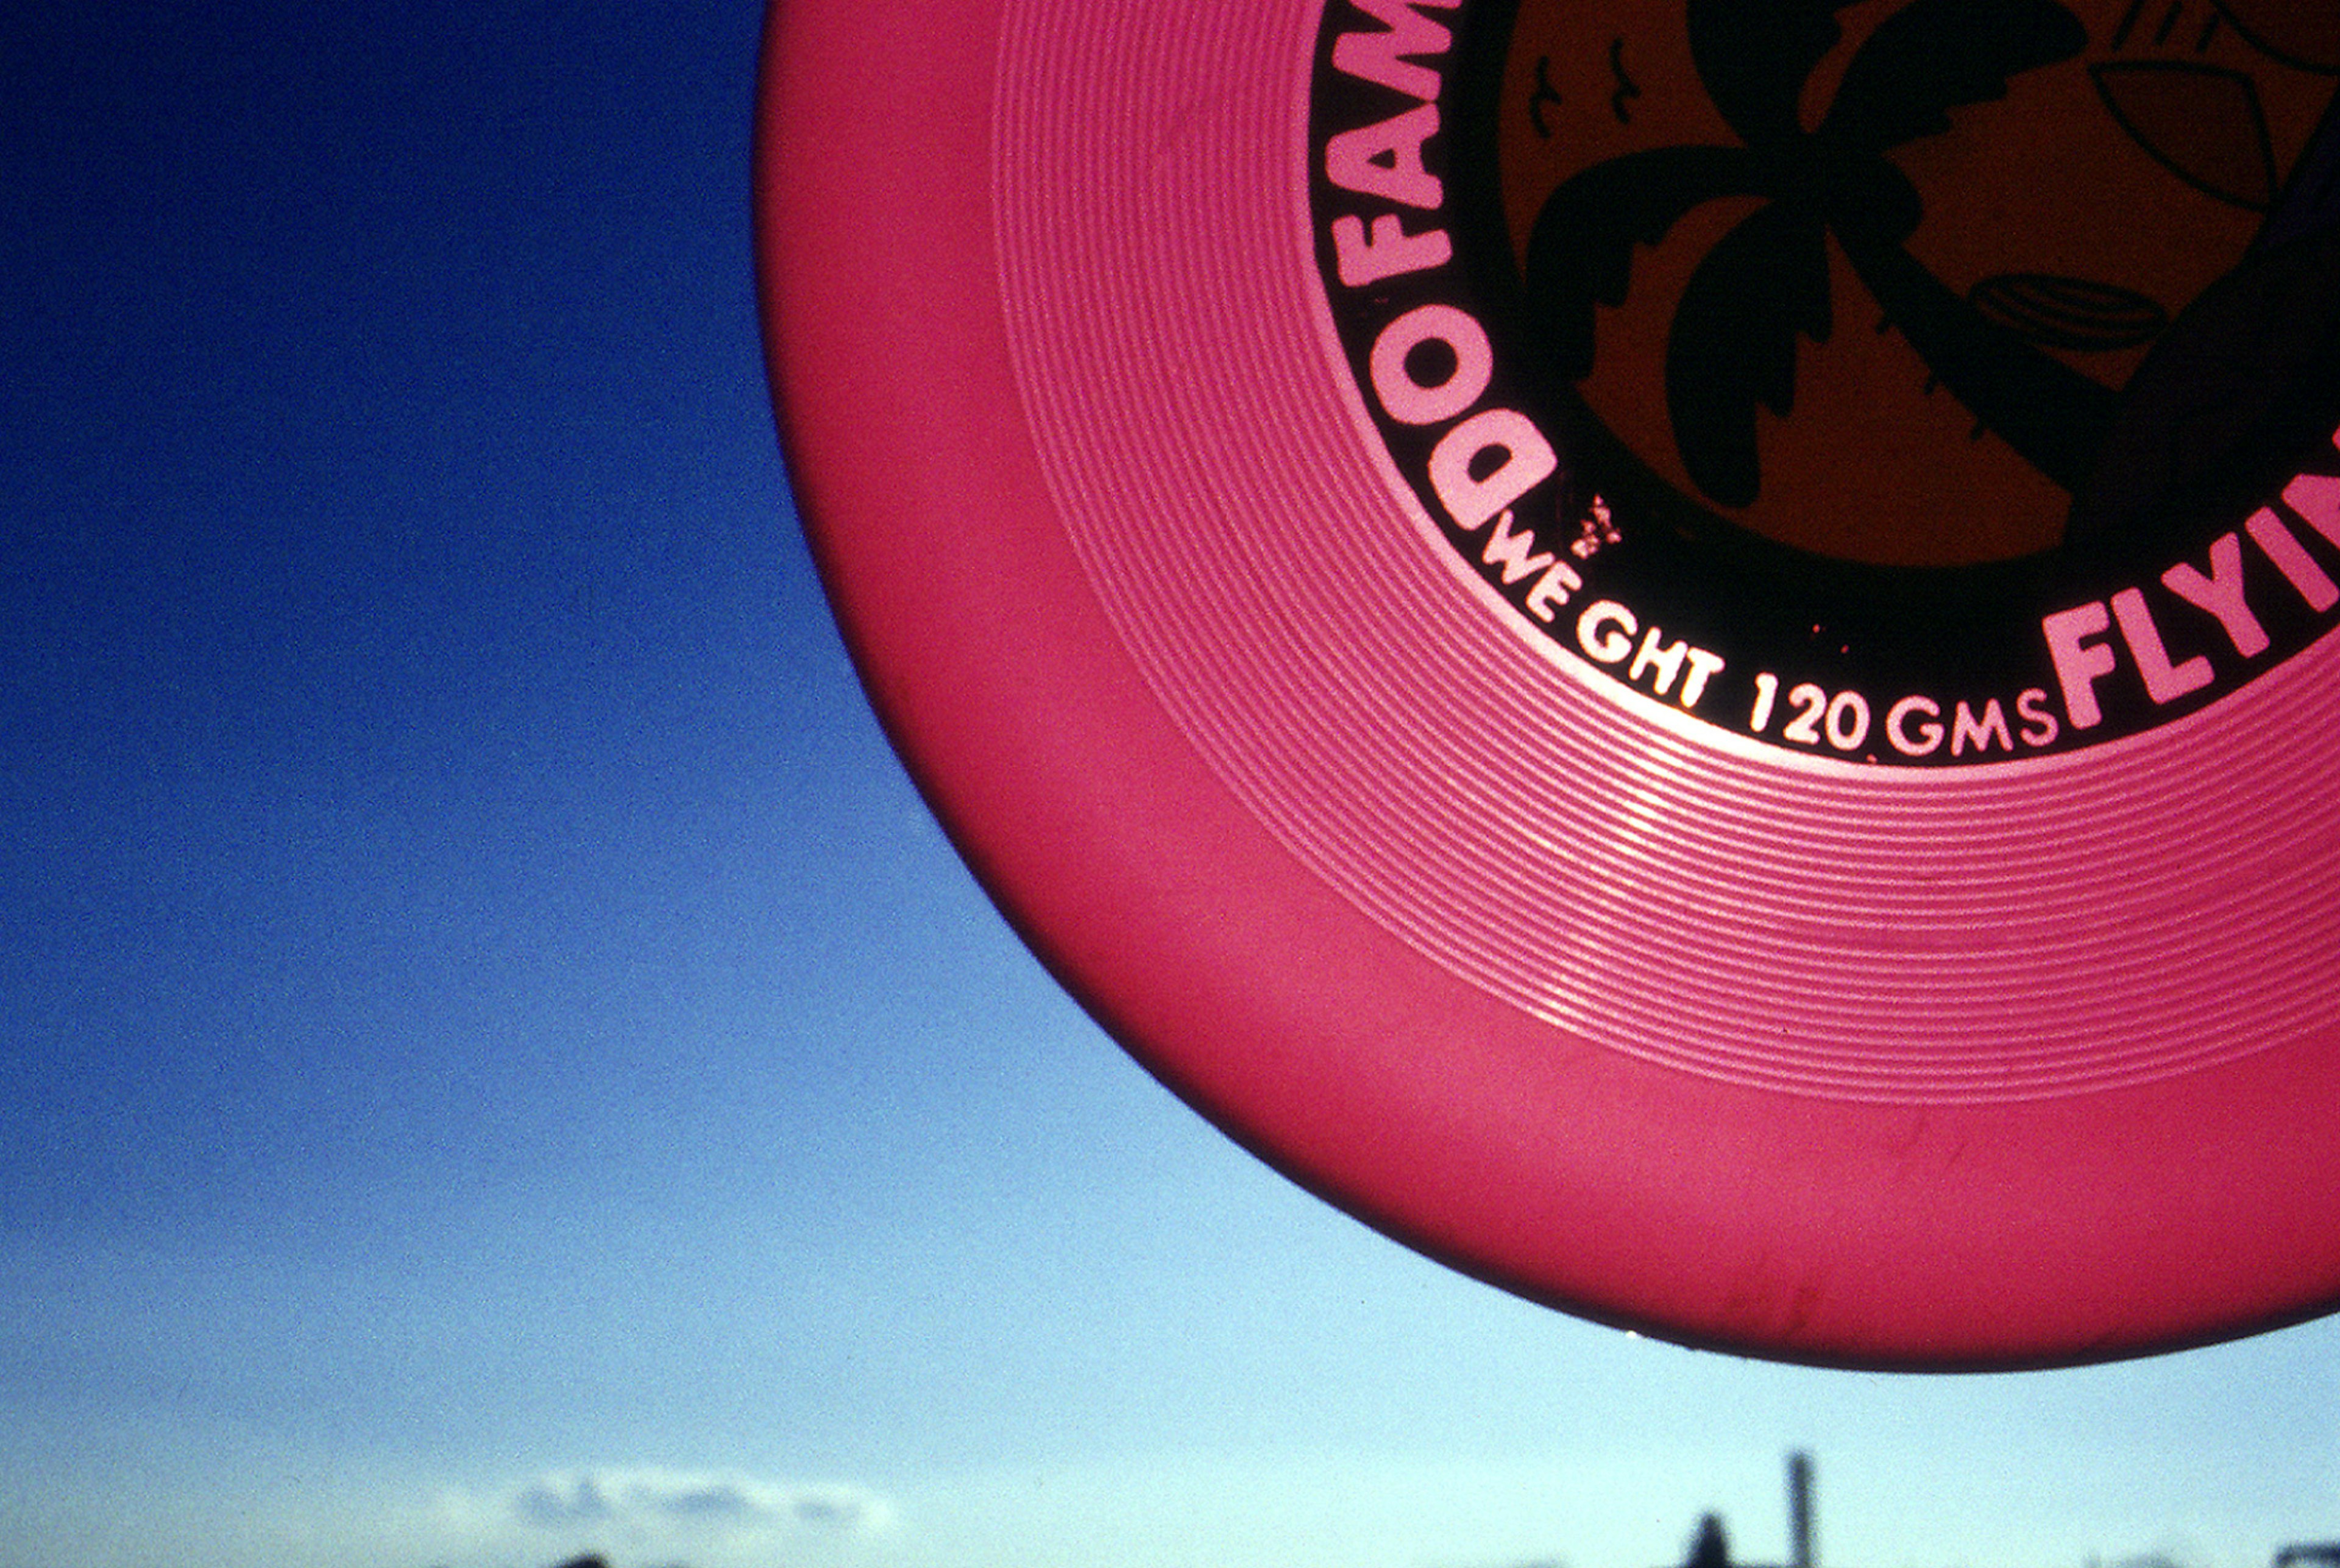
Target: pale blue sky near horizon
499, 1064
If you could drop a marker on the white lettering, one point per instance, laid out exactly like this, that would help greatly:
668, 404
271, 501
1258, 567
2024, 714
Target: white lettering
2317, 498
1605, 631
1413, 401
2039, 726
1388, 252
1655, 657
1528, 461
1666, 662
1380, 57
2079, 663
1510, 550
1552, 591
2281, 546
1965, 728
1928, 737
1384, 160
2164, 682
1847, 720
1702, 666
1809, 701
2221, 593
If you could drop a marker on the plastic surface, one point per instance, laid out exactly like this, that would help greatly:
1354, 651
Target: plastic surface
2011, 1066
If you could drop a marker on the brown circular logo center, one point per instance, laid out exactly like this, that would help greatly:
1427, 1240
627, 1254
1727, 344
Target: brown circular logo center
1893, 281
1922, 382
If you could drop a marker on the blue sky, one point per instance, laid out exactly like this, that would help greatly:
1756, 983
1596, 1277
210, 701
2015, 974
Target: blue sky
498, 1062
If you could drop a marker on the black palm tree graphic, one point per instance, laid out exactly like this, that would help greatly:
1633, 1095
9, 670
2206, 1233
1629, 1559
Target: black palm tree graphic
1732, 344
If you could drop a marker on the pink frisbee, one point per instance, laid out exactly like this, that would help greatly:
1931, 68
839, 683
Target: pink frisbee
1679, 649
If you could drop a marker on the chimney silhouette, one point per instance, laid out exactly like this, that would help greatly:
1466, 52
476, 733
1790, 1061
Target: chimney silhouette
1800, 1554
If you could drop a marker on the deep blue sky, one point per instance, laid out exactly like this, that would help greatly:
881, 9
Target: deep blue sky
497, 1061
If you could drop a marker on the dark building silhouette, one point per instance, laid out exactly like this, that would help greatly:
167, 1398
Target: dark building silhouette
1710, 1546
1799, 1511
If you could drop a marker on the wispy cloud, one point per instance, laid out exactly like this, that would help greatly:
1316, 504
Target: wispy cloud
660, 1501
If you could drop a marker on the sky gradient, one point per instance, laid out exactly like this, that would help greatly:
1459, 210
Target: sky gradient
498, 1063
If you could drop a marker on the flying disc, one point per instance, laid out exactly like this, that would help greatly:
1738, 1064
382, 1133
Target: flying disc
1681, 650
